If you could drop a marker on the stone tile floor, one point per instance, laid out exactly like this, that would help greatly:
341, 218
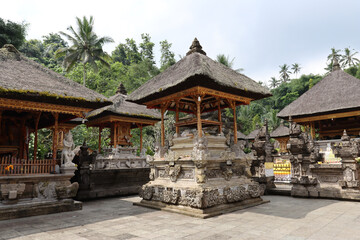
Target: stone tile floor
116, 218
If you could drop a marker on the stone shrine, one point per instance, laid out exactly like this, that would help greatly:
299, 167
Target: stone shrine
201, 173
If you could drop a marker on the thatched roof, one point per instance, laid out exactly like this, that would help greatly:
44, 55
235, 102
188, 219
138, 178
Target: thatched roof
240, 135
196, 69
121, 107
25, 79
253, 134
280, 131
337, 92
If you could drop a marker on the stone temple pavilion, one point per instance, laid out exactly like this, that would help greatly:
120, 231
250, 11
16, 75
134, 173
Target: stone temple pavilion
200, 174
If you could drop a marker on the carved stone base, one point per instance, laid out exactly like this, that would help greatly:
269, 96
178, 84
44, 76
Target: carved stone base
68, 170
202, 213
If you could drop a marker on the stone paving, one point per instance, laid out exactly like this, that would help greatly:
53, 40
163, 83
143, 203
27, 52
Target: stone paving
116, 218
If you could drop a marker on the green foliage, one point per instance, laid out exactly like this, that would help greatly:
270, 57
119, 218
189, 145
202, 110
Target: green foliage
12, 33
167, 56
225, 60
86, 47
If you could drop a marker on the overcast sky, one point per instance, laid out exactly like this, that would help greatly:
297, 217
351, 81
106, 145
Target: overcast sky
260, 35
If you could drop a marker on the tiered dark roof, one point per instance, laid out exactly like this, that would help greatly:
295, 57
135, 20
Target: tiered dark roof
196, 69
22, 78
241, 136
253, 134
280, 131
337, 92
121, 107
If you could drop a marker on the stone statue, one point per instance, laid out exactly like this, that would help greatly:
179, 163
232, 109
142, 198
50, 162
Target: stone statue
67, 154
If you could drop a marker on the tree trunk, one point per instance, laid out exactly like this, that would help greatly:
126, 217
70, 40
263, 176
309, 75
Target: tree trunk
84, 75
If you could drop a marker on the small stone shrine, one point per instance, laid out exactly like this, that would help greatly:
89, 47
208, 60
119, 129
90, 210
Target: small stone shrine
117, 169
201, 174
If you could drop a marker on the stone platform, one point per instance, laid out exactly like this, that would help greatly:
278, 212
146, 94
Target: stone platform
200, 177
202, 213
37, 194
28, 208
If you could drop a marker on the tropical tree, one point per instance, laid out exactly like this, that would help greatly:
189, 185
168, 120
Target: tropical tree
167, 56
348, 58
225, 60
12, 33
274, 82
296, 68
284, 73
335, 53
86, 47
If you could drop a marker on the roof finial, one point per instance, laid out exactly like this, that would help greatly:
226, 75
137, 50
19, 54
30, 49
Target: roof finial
195, 47
336, 65
121, 89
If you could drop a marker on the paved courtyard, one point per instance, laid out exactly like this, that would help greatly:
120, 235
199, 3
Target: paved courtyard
117, 218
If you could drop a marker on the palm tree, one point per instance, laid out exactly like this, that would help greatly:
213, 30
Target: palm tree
348, 58
284, 72
86, 47
274, 82
296, 68
335, 53
225, 60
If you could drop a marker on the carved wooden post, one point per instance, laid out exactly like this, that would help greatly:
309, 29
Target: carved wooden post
100, 130
219, 116
235, 124
22, 140
162, 126
115, 135
177, 117
312, 130
55, 134
37, 119
198, 115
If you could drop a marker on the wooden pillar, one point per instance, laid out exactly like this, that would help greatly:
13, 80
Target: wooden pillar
312, 130
22, 139
115, 136
162, 127
100, 130
55, 134
177, 117
37, 119
198, 116
219, 117
141, 137
235, 124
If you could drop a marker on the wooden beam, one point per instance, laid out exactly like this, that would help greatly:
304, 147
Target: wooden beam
235, 125
162, 127
219, 116
22, 139
326, 116
196, 91
177, 117
198, 116
37, 119
16, 104
114, 118
115, 136
312, 130
55, 134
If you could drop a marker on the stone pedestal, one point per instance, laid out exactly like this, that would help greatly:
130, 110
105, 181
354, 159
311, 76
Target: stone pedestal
117, 172
200, 177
